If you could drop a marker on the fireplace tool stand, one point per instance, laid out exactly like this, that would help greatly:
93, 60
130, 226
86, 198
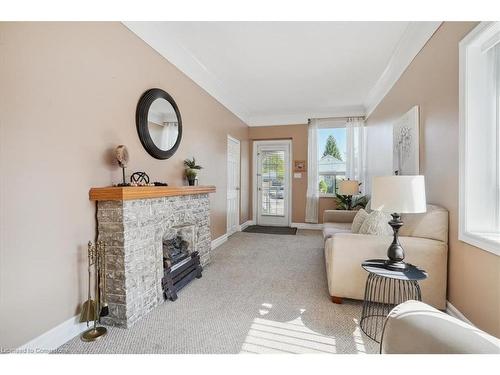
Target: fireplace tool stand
96, 258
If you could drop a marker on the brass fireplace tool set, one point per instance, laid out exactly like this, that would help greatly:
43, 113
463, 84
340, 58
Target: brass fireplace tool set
93, 309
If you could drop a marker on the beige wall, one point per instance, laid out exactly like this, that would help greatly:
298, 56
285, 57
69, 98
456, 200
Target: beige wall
298, 135
431, 81
68, 94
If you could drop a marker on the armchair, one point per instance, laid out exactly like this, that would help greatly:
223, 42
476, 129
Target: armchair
416, 328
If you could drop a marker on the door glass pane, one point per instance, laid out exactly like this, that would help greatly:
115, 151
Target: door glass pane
273, 183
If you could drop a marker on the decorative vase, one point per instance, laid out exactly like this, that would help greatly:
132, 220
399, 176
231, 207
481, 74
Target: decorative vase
191, 176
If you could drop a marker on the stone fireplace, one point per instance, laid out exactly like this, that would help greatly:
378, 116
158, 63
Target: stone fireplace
138, 224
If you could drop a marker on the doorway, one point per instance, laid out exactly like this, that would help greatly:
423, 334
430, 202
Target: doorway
233, 184
272, 180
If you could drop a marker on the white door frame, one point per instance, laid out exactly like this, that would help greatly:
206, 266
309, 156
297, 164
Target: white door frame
232, 139
255, 177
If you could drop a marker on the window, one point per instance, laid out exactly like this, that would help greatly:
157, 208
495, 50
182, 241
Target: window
273, 181
331, 159
479, 203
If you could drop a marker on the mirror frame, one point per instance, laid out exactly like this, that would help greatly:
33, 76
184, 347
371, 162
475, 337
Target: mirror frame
141, 120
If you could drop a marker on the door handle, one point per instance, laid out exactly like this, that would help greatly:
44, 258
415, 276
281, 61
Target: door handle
237, 188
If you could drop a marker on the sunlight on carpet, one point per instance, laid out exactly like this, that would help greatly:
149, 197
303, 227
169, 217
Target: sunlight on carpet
267, 336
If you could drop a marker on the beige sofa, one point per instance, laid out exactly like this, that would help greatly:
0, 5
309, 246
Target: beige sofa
416, 328
424, 238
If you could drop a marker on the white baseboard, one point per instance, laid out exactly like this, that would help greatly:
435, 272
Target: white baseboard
72, 327
453, 311
219, 241
244, 225
307, 226
55, 337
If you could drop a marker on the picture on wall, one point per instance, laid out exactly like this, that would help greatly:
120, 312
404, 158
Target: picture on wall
299, 166
405, 144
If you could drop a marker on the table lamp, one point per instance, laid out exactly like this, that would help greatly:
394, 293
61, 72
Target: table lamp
349, 188
397, 195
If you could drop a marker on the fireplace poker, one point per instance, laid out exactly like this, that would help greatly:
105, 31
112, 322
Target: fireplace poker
104, 307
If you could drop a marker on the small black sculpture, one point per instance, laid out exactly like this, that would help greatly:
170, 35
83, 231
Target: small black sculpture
139, 178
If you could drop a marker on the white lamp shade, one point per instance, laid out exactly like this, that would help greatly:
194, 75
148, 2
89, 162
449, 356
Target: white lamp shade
349, 187
398, 194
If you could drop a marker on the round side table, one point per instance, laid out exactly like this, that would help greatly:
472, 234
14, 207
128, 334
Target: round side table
385, 288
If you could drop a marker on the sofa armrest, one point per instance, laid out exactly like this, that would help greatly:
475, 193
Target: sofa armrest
338, 216
416, 328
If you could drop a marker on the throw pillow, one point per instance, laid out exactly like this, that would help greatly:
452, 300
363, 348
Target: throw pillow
376, 223
358, 220
368, 207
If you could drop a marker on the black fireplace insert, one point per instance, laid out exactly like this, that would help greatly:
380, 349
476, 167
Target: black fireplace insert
181, 265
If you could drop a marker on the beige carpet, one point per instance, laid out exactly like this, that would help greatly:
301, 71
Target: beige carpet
262, 293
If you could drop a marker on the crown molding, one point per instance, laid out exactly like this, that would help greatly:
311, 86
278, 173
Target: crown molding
411, 43
304, 116
156, 35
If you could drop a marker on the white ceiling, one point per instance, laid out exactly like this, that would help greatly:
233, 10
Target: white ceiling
270, 73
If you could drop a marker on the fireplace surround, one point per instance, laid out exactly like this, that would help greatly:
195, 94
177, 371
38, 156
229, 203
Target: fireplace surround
134, 222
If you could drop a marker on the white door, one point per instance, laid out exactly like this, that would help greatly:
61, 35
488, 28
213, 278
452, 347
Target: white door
273, 183
233, 185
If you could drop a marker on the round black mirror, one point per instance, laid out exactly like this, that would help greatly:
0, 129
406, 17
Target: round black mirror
159, 123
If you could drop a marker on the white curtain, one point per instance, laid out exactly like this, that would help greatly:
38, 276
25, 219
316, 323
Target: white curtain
312, 196
355, 150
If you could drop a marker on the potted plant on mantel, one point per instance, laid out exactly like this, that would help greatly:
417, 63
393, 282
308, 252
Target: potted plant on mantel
191, 170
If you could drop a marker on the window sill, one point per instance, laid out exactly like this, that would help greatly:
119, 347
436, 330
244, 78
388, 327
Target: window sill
327, 195
486, 241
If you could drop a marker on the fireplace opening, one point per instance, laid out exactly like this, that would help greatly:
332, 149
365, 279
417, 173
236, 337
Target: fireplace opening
175, 251
181, 261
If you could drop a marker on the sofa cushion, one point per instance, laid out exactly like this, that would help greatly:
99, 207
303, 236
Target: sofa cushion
329, 229
358, 220
376, 223
432, 224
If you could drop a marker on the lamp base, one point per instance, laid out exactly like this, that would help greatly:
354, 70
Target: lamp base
395, 253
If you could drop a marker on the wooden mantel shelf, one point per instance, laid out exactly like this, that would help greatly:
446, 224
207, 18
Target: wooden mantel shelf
144, 192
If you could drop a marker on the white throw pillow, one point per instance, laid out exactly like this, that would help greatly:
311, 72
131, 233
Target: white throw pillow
376, 223
358, 220
368, 207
